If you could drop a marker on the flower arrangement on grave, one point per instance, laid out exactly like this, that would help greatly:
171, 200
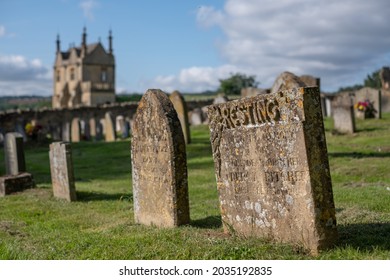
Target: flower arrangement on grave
32, 130
366, 107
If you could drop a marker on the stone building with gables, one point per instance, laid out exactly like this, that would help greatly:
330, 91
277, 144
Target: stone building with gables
84, 75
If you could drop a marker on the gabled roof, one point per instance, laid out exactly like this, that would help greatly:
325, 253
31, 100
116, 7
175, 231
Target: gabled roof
90, 49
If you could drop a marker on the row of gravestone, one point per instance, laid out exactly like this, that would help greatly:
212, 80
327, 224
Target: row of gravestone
96, 130
270, 161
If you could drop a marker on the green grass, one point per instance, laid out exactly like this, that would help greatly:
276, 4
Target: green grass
100, 225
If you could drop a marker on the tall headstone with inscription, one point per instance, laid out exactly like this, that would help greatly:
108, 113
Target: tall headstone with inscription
109, 127
61, 168
181, 109
272, 169
158, 155
16, 178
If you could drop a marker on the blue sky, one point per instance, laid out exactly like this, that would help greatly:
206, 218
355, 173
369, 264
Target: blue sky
189, 45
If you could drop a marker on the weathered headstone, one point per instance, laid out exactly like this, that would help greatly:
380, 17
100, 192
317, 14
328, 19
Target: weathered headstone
343, 119
181, 109
16, 178
14, 154
92, 127
76, 130
196, 116
15, 183
65, 131
272, 168
159, 167
373, 96
221, 98
61, 168
287, 81
109, 127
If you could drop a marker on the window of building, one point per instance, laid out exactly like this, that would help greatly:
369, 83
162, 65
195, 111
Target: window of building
58, 76
72, 74
103, 75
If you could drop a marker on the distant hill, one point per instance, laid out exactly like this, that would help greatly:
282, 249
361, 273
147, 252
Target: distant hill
24, 102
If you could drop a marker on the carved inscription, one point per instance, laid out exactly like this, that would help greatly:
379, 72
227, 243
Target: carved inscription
269, 152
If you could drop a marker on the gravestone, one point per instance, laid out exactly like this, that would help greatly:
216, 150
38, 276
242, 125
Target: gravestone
16, 178
374, 96
159, 166
109, 127
272, 169
196, 116
61, 168
181, 109
14, 154
286, 81
343, 119
65, 132
92, 128
76, 130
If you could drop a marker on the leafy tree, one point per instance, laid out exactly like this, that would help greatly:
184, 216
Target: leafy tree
373, 80
234, 84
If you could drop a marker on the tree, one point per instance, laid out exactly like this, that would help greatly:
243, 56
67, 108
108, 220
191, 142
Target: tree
234, 84
373, 80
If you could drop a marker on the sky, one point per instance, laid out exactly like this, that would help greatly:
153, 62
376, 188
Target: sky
189, 45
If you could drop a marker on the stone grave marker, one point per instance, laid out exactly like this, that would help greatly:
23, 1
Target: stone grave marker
65, 131
16, 178
61, 168
159, 166
76, 130
343, 119
272, 169
109, 127
92, 128
182, 113
14, 154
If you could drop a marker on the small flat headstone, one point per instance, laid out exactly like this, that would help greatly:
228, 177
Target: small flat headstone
272, 169
15, 183
61, 168
159, 167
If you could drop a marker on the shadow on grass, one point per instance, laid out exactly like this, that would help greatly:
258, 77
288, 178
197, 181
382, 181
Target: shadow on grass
96, 196
366, 237
210, 222
359, 155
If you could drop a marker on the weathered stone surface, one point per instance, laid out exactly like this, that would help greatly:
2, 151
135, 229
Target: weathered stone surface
221, 98
181, 109
251, 91
272, 168
373, 95
159, 167
15, 183
287, 81
109, 127
66, 131
14, 154
344, 119
76, 130
196, 116
61, 168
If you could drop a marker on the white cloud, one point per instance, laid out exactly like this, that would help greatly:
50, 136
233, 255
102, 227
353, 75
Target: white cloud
338, 41
193, 79
20, 76
88, 6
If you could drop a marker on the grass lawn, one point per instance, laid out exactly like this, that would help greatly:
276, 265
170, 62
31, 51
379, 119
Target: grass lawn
35, 225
